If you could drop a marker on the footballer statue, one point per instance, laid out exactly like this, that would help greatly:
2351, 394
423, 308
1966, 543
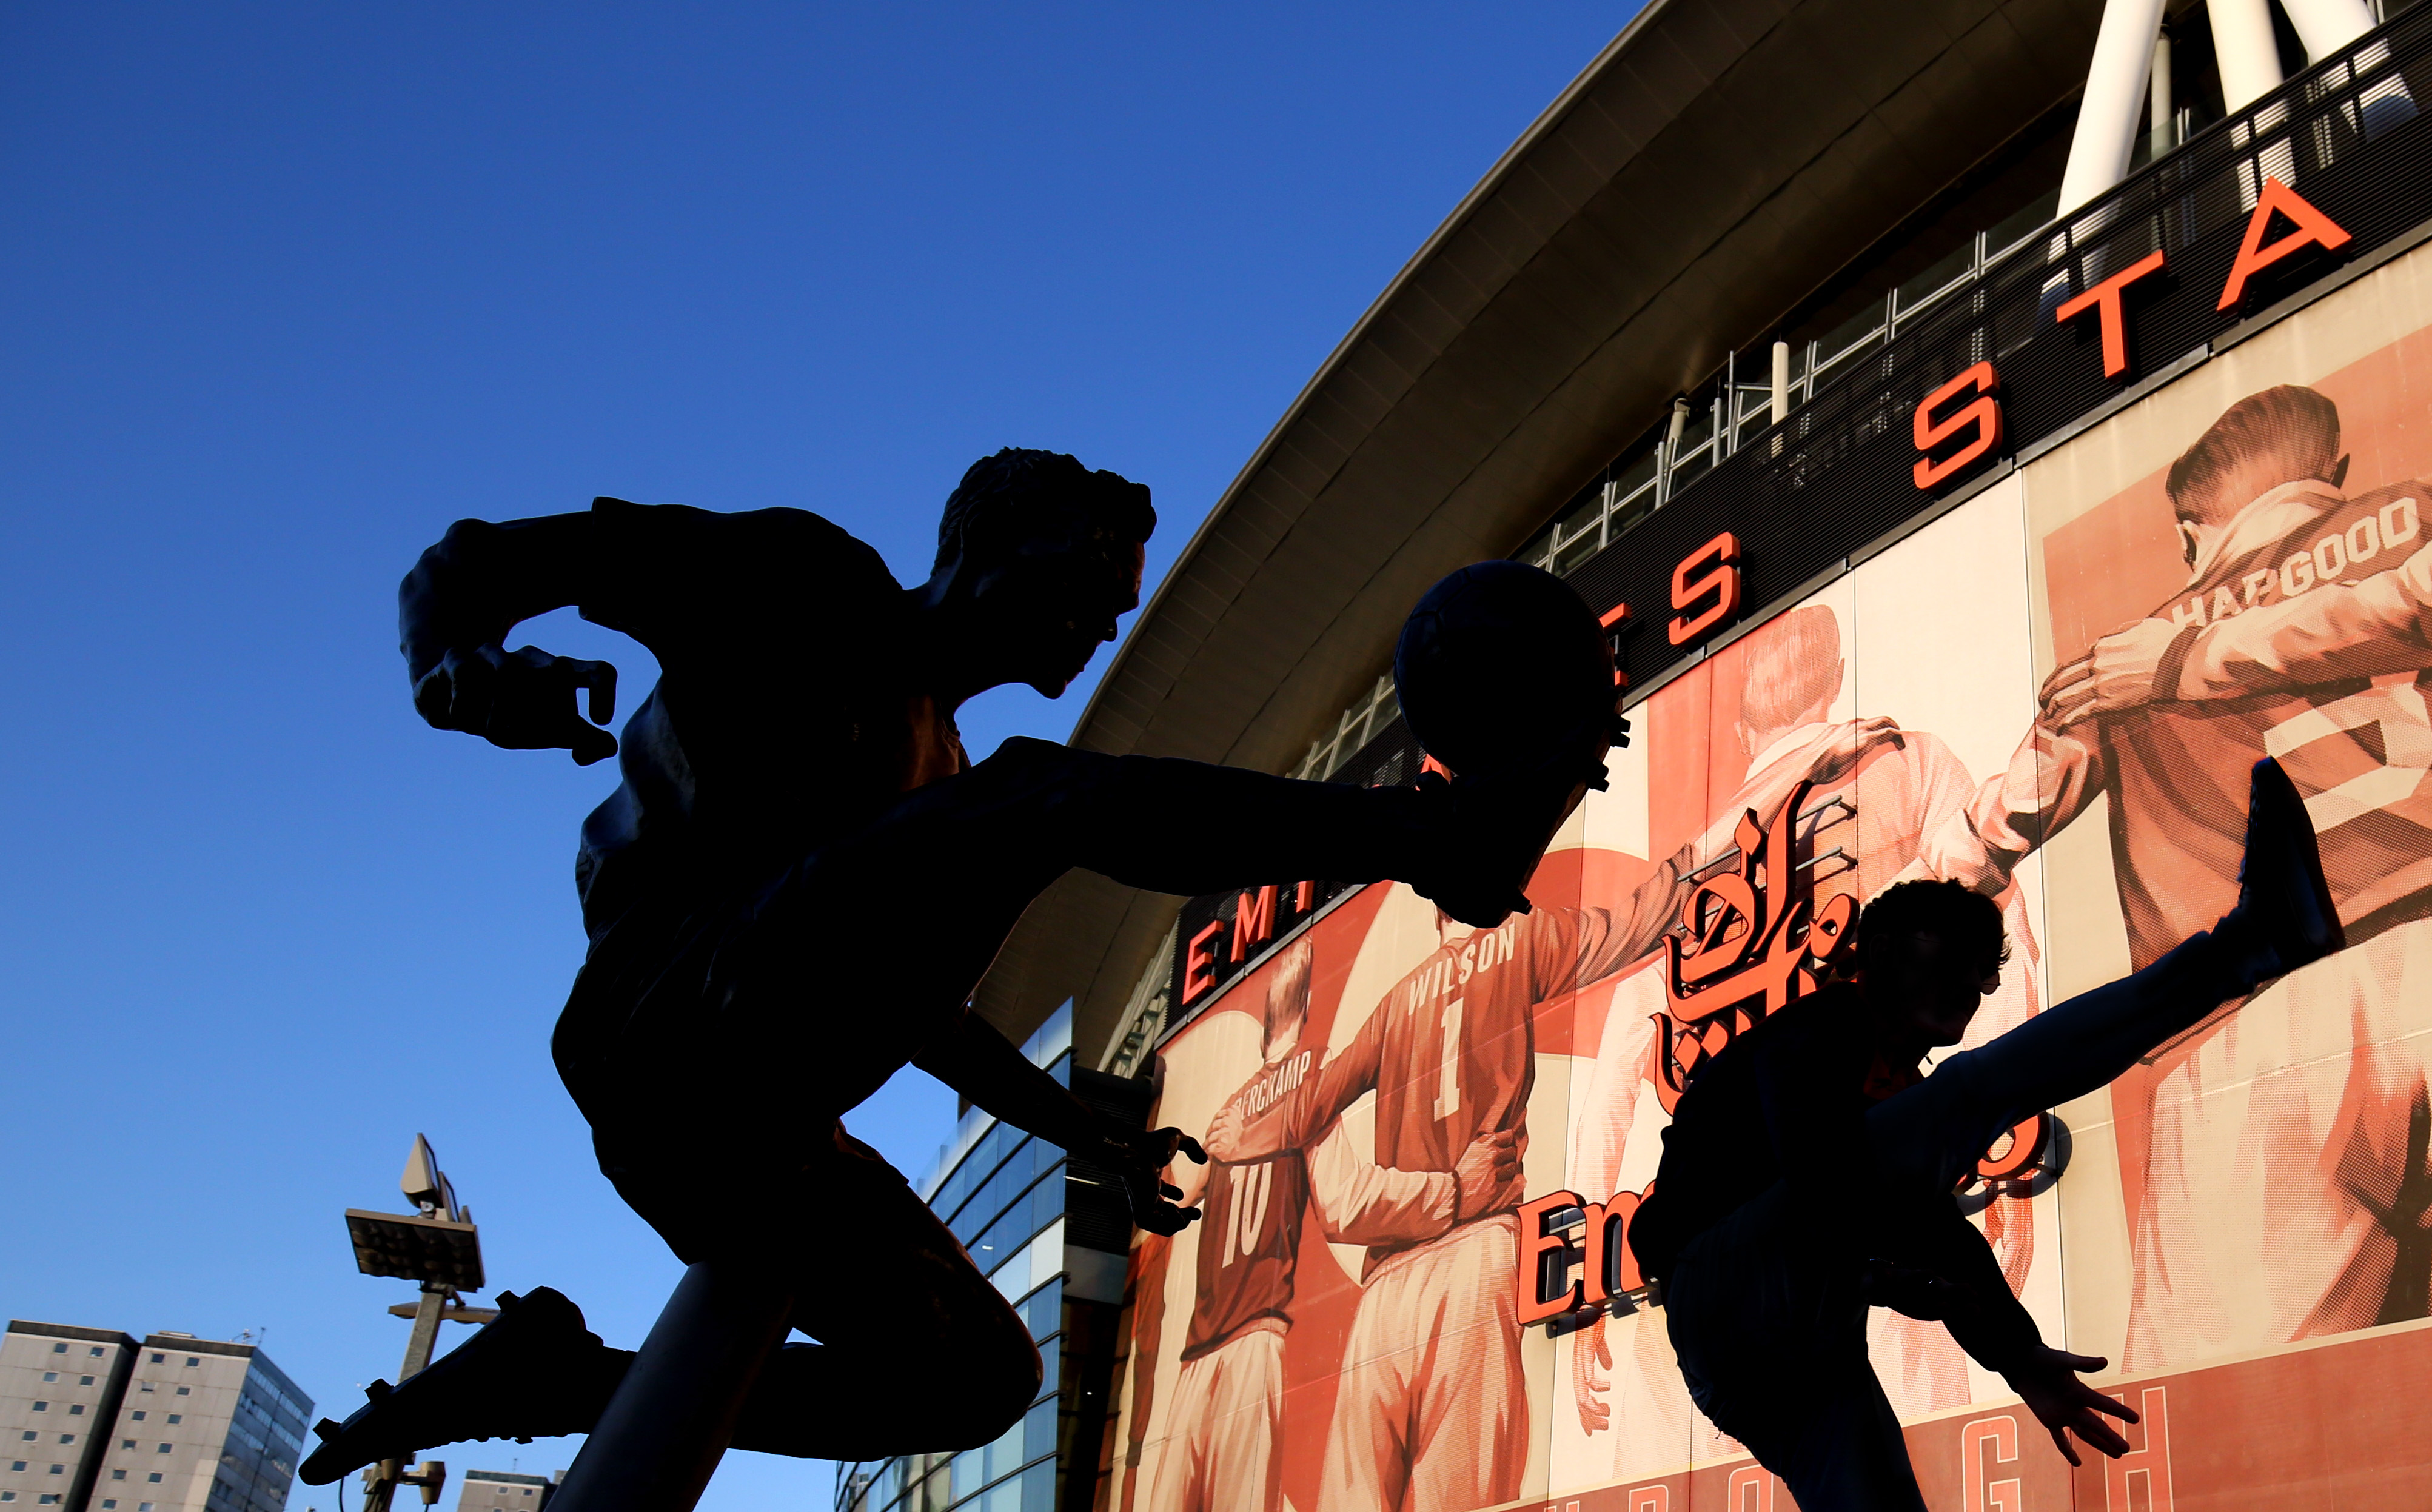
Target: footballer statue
797, 885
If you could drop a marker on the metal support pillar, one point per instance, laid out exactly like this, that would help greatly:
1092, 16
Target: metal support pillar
2161, 120
2326, 26
2249, 54
660, 1437
2115, 100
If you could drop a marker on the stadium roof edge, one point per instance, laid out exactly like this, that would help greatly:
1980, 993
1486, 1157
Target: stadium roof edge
1544, 323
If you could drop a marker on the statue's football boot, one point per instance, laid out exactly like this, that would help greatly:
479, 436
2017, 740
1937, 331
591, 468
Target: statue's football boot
535, 1372
2285, 917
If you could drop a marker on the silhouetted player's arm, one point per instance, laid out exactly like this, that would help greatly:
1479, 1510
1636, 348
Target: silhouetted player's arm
462, 600
731, 598
982, 1066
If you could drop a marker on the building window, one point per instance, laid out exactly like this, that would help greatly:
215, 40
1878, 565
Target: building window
145, 1386
67, 1438
107, 1505
185, 1391
193, 1359
50, 1375
123, 1443
16, 1464
50, 1499
84, 1380
75, 1409
7, 1496
42, 1406
58, 1470
176, 1417
155, 1474
159, 1359
59, 1349
139, 1417
164, 1449
118, 1475
94, 1351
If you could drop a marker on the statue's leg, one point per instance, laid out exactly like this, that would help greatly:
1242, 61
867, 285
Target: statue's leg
1924, 1139
917, 1352
1772, 1345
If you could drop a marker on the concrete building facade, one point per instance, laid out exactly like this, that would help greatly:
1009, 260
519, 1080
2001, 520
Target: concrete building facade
97, 1421
505, 1491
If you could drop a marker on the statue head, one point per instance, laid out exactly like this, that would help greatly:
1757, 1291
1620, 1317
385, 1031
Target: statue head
1037, 556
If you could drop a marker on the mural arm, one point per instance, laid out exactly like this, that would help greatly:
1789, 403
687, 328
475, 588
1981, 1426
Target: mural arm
1358, 1201
1294, 1120
2332, 633
2052, 779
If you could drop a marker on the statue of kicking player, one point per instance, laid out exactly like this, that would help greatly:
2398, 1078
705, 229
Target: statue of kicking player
1769, 1256
797, 885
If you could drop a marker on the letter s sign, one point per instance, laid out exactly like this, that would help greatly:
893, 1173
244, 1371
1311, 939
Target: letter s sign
1705, 588
1983, 417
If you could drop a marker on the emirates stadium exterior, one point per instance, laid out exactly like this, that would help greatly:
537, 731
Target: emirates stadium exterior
1986, 428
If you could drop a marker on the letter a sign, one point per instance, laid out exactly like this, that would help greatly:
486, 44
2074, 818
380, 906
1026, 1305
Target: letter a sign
2313, 228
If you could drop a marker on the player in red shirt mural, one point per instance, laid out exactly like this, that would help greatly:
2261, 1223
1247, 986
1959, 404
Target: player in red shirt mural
1877, 791
1450, 1052
1224, 1429
2285, 1189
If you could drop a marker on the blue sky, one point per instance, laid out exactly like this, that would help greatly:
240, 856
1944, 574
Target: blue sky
288, 288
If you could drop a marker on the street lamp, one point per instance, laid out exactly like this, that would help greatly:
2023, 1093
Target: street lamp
438, 1247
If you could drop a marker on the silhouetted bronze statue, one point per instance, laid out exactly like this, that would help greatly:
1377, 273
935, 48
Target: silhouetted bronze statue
1808, 1173
798, 885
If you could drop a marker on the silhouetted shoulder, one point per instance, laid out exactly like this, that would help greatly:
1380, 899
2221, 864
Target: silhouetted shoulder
671, 571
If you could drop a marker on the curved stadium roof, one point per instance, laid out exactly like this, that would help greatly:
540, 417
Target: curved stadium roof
1711, 168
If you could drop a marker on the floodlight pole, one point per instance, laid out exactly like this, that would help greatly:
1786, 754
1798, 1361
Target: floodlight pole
418, 1347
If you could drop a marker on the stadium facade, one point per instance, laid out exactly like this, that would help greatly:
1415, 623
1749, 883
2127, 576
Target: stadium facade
1986, 428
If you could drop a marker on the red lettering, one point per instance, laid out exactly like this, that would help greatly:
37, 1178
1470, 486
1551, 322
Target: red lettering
1199, 963
1708, 577
1608, 619
1984, 416
2104, 299
1999, 1435
1304, 895
1613, 1268
1749, 1489
2149, 1463
1254, 921
2313, 228
1535, 1246
2024, 1146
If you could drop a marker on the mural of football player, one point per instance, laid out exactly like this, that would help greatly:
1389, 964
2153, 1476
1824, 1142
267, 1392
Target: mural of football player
2280, 1190
1224, 1427
1450, 1053
1879, 791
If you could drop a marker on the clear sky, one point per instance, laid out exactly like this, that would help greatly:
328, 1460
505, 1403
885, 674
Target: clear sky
284, 289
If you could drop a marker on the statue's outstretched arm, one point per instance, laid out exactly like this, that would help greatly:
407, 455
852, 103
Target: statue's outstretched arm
982, 1066
455, 610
